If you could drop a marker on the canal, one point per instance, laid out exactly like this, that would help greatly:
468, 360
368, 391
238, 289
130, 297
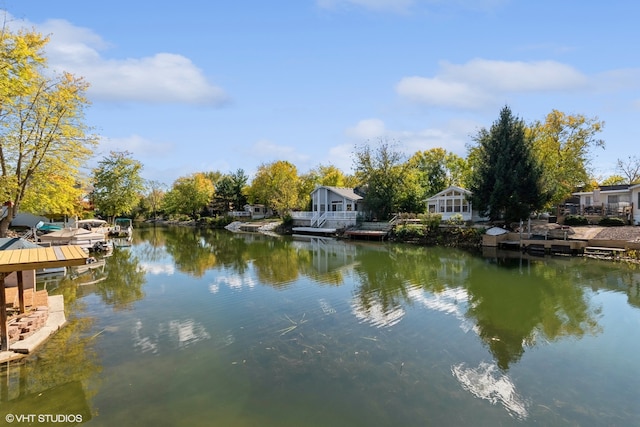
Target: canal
183, 327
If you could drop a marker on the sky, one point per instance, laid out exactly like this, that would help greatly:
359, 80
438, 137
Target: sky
198, 86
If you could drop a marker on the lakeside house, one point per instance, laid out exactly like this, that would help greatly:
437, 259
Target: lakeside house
621, 201
332, 207
256, 211
452, 201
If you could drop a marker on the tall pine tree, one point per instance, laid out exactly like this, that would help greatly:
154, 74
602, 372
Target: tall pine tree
506, 177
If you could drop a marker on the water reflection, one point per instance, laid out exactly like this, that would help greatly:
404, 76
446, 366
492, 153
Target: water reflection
403, 333
54, 382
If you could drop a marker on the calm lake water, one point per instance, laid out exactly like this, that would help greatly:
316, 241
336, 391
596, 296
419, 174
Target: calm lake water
191, 328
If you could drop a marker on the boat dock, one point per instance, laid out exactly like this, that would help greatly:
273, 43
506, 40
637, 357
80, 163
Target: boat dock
55, 319
554, 247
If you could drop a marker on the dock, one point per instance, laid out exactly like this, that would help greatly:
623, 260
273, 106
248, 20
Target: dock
604, 251
56, 319
539, 246
315, 231
366, 234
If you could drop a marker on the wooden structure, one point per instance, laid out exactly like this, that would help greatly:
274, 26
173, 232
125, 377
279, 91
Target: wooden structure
20, 260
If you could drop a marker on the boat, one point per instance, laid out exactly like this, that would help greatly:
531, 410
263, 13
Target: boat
94, 224
122, 227
89, 240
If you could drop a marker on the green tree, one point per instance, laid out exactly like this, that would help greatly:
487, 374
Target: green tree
189, 195
230, 191
117, 184
563, 145
43, 139
381, 173
506, 177
276, 186
154, 193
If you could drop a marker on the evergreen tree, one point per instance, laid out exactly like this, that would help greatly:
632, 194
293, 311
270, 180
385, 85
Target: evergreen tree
506, 177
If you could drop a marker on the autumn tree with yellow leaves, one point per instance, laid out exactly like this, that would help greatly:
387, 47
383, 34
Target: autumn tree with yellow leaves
43, 137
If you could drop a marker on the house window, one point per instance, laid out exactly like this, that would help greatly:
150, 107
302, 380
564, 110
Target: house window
449, 205
256, 209
612, 199
349, 207
336, 206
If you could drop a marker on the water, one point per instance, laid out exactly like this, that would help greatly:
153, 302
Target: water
213, 328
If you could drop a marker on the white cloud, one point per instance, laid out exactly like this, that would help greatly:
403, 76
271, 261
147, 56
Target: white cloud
265, 149
481, 82
451, 136
341, 156
160, 78
135, 144
367, 129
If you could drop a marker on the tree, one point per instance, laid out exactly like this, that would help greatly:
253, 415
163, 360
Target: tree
563, 144
43, 139
230, 191
155, 192
381, 173
276, 186
117, 184
506, 177
189, 195
630, 168
614, 180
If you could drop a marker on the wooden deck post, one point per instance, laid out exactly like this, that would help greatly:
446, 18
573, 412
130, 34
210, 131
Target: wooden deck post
4, 332
21, 291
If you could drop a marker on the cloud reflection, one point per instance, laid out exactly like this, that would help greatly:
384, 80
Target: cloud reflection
486, 382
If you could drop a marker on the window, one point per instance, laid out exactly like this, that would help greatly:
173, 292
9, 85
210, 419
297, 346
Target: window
612, 199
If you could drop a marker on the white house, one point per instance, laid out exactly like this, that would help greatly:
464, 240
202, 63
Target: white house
453, 201
253, 212
611, 200
332, 207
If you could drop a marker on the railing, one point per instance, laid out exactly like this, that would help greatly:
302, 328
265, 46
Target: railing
239, 213
317, 219
302, 215
621, 209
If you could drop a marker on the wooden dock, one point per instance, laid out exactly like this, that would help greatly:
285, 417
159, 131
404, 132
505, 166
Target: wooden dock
555, 246
604, 251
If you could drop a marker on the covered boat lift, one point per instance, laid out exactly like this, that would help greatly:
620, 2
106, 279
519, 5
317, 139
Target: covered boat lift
19, 260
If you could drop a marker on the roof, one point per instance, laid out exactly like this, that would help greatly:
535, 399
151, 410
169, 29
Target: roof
7, 243
341, 191
446, 190
35, 258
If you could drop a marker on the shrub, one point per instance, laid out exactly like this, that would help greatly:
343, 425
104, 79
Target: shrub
406, 232
575, 220
432, 221
455, 219
611, 221
287, 220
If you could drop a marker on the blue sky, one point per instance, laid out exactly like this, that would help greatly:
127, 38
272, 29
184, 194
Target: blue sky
195, 86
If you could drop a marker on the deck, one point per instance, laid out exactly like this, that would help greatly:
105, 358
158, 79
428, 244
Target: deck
554, 246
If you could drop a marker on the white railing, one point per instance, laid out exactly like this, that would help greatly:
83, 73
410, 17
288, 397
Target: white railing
302, 215
318, 220
239, 213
